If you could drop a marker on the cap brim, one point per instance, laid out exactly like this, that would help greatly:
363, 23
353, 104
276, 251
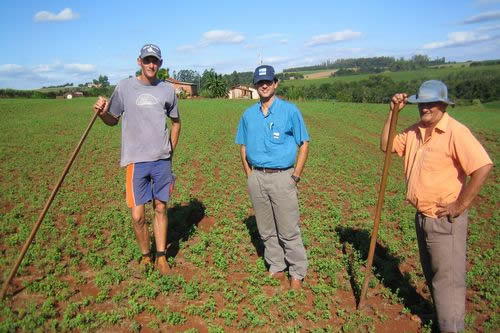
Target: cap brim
263, 78
150, 54
413, 99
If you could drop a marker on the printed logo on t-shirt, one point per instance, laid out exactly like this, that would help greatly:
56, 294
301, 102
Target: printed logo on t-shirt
146, 100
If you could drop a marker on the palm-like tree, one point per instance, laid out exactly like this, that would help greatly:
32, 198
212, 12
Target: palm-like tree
217, 86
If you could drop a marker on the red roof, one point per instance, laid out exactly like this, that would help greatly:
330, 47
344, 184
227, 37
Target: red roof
179, 82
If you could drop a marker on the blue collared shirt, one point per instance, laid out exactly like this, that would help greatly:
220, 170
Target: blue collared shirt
271, 141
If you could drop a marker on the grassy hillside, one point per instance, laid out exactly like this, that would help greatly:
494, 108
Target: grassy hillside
427, 73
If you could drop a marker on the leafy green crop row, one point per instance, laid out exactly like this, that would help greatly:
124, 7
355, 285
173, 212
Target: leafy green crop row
81, 272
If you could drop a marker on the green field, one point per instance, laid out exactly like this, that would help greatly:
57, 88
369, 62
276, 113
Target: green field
81, 273
427, 73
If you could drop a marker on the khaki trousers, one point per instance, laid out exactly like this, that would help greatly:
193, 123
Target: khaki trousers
442, 248
274, 199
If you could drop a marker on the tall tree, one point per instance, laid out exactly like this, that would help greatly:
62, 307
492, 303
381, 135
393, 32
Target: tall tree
234, 79
217, 86
101, 81
205, 77
163, 74
188, 75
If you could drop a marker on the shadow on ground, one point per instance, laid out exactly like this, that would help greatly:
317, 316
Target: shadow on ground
386, 267
182, 222
251, 225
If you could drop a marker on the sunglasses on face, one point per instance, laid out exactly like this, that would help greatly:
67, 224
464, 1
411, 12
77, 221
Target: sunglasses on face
149, 60
264, 82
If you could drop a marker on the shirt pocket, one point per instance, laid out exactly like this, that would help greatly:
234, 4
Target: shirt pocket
276, 134
436, 159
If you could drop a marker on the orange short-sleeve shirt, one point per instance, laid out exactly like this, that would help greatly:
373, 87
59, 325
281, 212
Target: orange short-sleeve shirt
437, 169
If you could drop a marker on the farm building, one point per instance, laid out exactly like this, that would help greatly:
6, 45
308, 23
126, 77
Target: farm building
240, 91
190, 88
74, 94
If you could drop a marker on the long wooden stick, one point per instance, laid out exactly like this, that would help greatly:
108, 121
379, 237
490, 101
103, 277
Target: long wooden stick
45, 209
380, 203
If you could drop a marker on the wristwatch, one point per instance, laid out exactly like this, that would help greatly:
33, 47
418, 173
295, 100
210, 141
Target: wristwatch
295, 178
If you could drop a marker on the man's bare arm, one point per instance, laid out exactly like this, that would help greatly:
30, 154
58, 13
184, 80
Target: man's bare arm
175, 132
399, 100
246, 166
469, 192
302, 155
101, 106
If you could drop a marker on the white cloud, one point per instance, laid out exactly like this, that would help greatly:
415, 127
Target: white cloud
483, 17
284, 41
333, 37
213, 37
460, 38
80, 68
275, 60
488, 28
17, 76
11, 68
43, 68
64, 15
60, 67
186, 48
221, 37
270, 36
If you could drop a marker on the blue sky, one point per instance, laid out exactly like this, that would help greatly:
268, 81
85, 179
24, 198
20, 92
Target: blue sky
54, 42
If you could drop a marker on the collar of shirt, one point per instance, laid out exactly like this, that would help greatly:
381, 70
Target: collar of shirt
271, 109
442, 125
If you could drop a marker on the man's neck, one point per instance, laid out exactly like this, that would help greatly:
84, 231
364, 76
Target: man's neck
429, 128
146, 80
265, 104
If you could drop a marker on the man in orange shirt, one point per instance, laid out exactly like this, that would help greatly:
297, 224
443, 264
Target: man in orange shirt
439, 154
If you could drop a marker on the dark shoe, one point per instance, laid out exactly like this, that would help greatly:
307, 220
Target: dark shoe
295, 284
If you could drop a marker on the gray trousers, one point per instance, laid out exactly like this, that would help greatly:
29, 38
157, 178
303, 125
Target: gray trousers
442, 248
274, 199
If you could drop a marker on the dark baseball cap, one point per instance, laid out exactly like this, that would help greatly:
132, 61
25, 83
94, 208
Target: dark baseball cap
263, 73
150, 50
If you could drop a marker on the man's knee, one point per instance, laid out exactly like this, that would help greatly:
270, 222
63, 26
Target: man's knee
138, 216
160, 207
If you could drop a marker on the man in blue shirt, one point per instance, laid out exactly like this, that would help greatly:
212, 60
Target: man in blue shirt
269, 133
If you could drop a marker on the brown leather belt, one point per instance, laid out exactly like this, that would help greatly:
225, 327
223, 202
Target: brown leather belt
270, 170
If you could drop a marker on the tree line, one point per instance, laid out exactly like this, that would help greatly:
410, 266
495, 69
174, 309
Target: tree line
464, 87
373, 64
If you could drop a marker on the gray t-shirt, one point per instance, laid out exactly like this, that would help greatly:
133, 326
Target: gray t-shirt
144, 109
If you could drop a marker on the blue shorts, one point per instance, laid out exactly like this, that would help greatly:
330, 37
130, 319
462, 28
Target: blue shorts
149, 180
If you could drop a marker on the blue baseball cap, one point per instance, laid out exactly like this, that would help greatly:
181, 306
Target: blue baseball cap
263, 73
150, 50
431, 91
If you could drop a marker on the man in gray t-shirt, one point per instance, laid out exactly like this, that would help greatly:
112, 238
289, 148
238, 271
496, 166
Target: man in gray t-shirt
144, 103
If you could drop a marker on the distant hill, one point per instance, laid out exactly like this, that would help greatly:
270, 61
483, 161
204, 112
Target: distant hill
435, 72
466, 84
